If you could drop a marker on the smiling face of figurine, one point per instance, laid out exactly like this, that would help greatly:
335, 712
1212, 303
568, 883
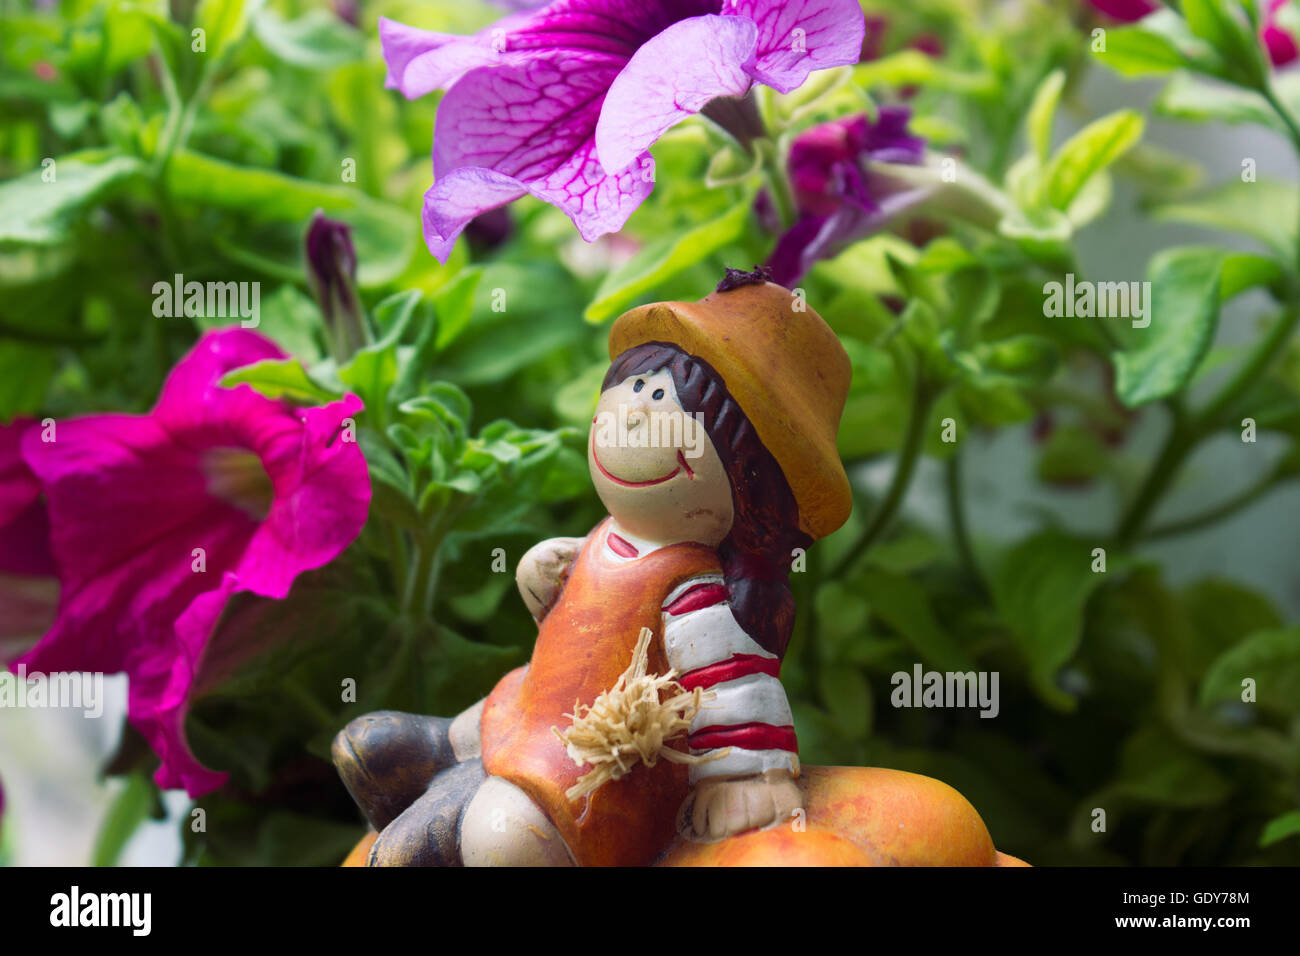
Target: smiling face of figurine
654, 467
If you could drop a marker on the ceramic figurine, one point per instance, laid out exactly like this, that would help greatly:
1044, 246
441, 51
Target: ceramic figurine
650, 725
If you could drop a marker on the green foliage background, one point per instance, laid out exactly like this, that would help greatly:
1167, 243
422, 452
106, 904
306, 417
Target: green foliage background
1118, 690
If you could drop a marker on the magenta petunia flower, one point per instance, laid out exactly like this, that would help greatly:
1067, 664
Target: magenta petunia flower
838, 195
1280, 42
28, 588
158, 519
1126, 11
564, 102
24, 525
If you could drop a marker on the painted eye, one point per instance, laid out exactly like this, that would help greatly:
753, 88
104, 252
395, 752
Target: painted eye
658, 394
640, 384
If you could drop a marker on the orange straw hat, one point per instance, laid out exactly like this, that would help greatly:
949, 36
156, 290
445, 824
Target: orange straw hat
785, 368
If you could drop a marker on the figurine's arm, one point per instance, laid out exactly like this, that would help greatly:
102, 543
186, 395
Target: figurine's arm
542, 572
747, 728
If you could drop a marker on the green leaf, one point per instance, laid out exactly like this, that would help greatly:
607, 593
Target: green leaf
1041, 588
280, 378
129, 809
1242, 271
373, 370
731, 165
1220, 614
1184, 312
914, 68
662, 259
25, 374
36, 212
1223, 24
1149, 47
317, 40
1279, 828
453, 303
1157, 768
224, 22
841, 621
1072, 455
1161, 174
1187, 98
848, 698
395, 313
1088, 152
903, 604
1272, 659
120, 120
383, 234
68, 119
1265, 210
1042, 113
1043, 234
1017, 360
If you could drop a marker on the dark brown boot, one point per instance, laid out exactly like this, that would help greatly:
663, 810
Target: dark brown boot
428, 831
387, 759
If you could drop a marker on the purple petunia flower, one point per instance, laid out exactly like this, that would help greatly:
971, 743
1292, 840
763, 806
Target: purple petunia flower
158, 519
1280, 43
839, 197
564, 102
1125, 11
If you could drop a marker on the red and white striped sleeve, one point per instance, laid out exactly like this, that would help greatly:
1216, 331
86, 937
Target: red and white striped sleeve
750, 715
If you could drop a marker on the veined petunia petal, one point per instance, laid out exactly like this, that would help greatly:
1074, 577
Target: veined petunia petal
530, 128
457, 197
670, 78
796, 37
420, 61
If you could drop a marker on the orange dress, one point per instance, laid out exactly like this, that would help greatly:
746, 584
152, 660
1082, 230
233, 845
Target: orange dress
584, 644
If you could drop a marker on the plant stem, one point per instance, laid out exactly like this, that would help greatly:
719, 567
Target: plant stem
1293, 128
1259, 358
1178, 443
922, 401
49, 336
417, 582
309, 704
957, 516
1187, 431
1218, 512
777, 181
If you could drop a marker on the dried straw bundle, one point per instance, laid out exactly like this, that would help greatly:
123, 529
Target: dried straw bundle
630, 723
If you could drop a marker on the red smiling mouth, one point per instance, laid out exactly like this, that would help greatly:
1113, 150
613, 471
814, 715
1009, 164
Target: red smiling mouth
681, 464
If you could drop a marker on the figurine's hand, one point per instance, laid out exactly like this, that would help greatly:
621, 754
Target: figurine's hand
719, 808
542, 571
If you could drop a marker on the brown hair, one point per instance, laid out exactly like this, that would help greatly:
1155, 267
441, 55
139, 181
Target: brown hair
756, 552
